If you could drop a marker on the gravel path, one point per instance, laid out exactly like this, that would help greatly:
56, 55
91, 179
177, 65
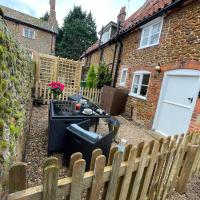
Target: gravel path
192, 192
36, 149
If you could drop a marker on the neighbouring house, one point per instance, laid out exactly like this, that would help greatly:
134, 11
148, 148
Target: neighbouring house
158, 60
105, 52
33, 33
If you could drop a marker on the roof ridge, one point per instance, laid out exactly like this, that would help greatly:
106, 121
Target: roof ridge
15, 15
141, 7
24, 13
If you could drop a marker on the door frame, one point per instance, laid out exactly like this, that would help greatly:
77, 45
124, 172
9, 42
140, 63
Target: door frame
177, 72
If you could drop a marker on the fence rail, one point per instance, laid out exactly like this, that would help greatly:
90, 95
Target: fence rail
148, 171
42, 92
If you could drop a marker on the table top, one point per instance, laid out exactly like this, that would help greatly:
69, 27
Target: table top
75, 115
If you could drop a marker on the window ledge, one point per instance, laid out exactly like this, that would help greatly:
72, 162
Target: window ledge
137, 96
122, 84
153, 45
29, 38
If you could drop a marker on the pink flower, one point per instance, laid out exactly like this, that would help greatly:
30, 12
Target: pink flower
56, 85
62, 86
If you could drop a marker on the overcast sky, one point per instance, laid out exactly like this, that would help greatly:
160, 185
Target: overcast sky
103, 10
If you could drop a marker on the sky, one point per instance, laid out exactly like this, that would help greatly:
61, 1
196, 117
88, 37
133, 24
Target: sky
103, 11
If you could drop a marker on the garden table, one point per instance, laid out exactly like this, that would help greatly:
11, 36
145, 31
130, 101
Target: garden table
59, 121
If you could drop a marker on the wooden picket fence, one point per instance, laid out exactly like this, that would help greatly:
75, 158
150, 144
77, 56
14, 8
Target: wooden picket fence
42, 92
149, 171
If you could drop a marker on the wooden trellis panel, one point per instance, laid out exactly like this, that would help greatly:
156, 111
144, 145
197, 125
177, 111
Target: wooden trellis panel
51, 68
45, 68
68, 72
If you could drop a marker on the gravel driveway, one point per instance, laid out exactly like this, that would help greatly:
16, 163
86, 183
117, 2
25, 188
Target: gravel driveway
36, 149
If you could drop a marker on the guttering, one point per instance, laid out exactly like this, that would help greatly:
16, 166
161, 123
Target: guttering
150, 18
30, 25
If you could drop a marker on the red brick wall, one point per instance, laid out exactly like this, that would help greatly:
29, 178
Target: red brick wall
44, 42
179, 48
195, 122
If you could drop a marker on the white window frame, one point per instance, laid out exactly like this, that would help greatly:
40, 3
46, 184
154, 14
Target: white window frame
29, 30
123, 83
150, 25
140, 73
108, 34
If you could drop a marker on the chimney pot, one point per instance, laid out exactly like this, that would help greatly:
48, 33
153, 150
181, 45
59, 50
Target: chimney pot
122, 16
52, 5
52, 13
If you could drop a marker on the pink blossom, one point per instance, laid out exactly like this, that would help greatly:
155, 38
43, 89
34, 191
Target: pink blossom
56, 85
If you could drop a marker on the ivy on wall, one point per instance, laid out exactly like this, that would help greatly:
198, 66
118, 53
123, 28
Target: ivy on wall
16, 75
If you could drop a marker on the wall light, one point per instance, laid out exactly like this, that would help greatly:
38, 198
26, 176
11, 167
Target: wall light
158, 68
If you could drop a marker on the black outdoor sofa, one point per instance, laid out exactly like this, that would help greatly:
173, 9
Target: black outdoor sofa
80, 139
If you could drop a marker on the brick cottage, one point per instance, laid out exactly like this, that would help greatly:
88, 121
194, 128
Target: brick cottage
156, 55
33, 33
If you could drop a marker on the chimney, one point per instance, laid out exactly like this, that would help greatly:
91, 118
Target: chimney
122, 16
52, 13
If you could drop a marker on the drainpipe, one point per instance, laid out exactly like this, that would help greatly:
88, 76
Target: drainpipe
119, 36
114, 67
101, 49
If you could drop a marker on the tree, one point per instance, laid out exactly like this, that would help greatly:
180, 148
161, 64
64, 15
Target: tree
90, 82
103, 76
45, 17
76, 35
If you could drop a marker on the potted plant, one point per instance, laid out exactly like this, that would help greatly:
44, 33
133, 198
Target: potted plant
56, 88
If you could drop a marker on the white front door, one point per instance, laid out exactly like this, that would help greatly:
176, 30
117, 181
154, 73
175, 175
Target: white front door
178, 96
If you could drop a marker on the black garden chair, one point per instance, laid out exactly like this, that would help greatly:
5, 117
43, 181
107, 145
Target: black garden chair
80, 139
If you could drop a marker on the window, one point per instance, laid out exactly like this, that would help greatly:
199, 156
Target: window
29, 33
151, 33
105, 36
140, 84
123, 77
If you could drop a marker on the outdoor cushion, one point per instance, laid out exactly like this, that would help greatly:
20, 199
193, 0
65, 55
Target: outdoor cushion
87, 134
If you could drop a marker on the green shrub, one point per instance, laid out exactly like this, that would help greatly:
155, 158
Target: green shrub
17, 115
11, 148
1, 133
4, 103
90, 82
3, 84
14, 130
83, 83
1, 50
8, 110
104, 76
1, 124
3, 144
